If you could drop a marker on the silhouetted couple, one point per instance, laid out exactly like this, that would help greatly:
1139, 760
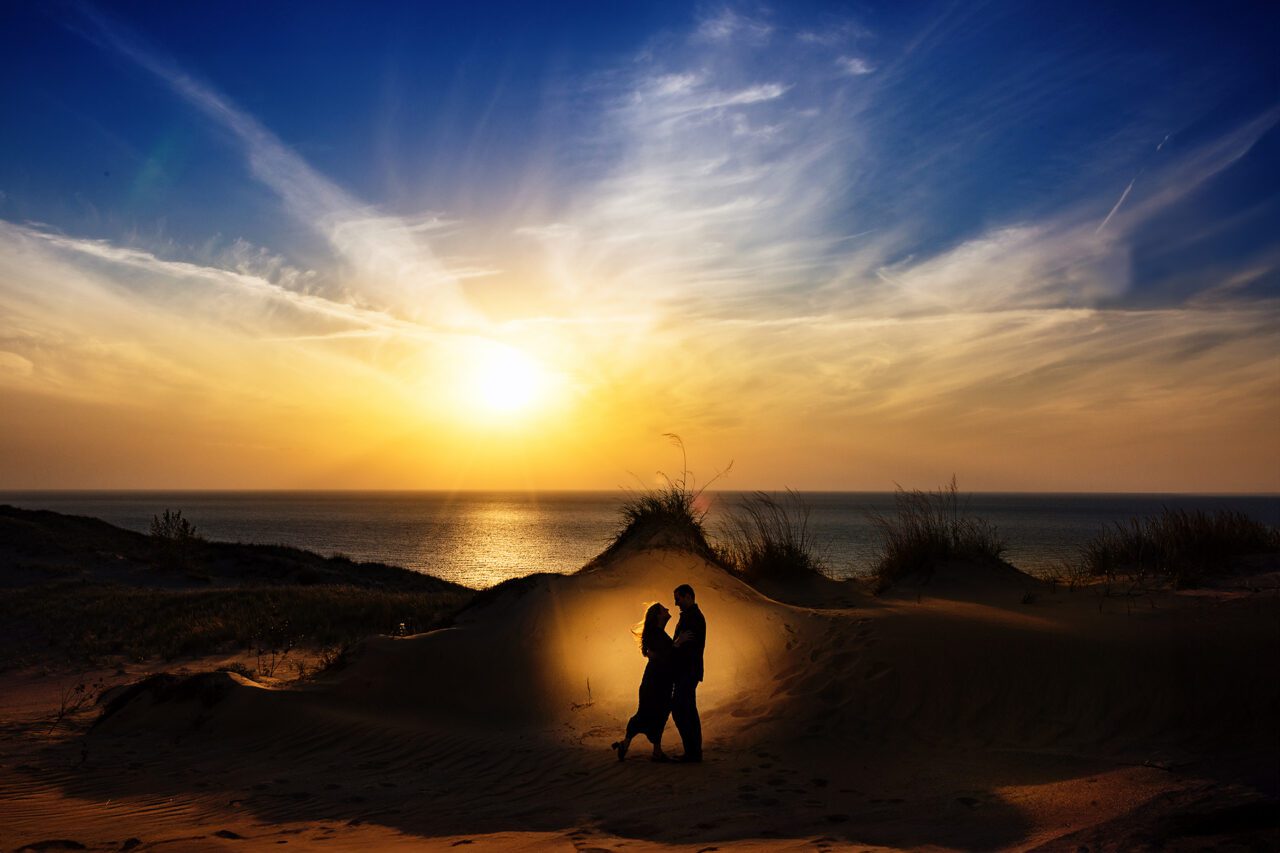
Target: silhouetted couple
669, 686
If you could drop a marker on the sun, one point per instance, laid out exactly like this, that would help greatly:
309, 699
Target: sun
504, 380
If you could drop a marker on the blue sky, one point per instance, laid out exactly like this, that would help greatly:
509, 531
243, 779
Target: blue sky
877, 214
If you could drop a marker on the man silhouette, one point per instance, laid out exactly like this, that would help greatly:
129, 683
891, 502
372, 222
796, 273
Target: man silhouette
690, 640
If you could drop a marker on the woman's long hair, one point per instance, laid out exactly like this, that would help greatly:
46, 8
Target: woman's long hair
648, 628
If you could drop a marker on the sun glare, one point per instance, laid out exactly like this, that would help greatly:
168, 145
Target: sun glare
505, 380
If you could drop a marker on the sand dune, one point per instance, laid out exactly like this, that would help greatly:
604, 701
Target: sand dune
962, 714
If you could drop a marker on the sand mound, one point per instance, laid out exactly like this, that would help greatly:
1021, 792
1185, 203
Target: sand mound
554, 645
966, 660
169, 704
967, 580
968, 716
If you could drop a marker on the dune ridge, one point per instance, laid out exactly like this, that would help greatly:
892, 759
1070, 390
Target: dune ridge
955, 715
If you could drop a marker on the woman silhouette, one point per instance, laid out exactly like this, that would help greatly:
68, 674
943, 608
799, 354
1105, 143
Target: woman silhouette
655, 686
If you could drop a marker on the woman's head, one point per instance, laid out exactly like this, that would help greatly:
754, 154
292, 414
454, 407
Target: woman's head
656, 617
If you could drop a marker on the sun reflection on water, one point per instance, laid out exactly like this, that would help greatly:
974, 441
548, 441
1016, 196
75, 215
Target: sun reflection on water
500, 542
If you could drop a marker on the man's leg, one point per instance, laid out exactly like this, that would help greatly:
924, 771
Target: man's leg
684, 710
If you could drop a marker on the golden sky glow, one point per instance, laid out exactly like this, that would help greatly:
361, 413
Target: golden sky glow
701, 279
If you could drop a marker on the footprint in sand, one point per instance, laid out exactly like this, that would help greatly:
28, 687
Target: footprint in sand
226, 833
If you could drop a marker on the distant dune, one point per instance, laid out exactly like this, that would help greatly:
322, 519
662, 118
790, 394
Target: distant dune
983, 710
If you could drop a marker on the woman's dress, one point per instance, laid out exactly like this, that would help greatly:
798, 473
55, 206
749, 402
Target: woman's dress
655, 691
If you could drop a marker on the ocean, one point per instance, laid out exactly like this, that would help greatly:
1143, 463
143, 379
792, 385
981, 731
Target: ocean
482, 538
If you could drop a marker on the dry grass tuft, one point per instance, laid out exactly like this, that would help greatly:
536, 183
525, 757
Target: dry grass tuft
670, 515
1178, 546
767, 536
929, 528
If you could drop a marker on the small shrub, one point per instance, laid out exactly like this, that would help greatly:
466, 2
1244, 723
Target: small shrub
768, 537
73, 699
240, 669
172, 527
1179, 546
176, 536
336, 656
274, 638
928, 528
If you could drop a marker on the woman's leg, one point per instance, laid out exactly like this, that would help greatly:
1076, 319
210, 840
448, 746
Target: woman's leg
633, 729
658, 754
655, 738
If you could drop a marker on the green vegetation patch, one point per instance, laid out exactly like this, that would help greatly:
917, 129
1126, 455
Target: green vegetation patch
92, 621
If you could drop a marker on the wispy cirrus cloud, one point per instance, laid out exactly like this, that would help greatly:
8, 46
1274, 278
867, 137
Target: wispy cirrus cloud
727, 25
736, 230
108, 322
390, 263
854, 66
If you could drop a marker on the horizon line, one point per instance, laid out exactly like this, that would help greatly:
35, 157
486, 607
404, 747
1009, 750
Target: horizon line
4, 491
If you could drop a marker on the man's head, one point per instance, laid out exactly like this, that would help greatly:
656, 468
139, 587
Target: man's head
684, 596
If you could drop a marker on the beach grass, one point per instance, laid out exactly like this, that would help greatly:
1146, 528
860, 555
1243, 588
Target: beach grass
768, 536
671, 515
927, 529
1179, 546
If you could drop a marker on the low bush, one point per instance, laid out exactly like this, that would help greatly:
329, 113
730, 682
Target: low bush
172, 527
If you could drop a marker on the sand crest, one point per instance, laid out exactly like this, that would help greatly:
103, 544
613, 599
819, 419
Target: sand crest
963, 714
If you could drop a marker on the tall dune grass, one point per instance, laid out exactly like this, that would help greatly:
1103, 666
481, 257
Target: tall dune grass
929, 528
1179, 546
671, 515
767, 536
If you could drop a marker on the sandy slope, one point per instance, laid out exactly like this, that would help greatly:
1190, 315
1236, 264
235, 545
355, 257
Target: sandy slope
960, 715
